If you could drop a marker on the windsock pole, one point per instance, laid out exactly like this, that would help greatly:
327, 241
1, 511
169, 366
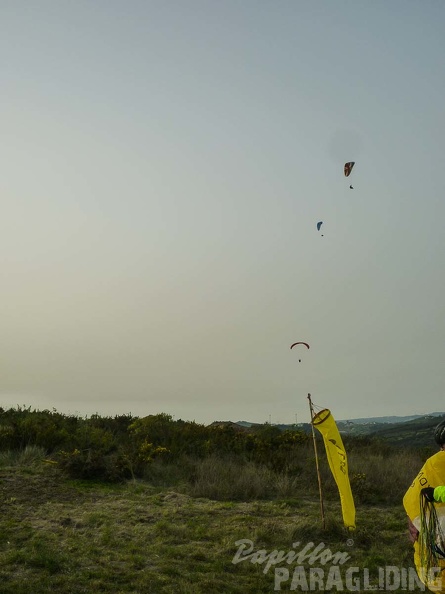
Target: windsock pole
316, 463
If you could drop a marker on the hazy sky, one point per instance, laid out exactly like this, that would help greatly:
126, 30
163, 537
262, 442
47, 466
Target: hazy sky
163, 168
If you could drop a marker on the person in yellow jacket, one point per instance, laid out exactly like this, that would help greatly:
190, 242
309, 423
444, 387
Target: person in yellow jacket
429, 485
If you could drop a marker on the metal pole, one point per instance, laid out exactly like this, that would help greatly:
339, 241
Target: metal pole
316, 463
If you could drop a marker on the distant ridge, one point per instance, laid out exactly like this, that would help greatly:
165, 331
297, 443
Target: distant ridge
406, 431
391, 419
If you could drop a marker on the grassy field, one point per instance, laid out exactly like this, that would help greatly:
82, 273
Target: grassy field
66, 536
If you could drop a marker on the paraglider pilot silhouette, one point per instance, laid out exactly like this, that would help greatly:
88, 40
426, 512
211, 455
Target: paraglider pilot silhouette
295, 344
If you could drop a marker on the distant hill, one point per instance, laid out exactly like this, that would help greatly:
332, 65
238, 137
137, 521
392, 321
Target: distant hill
417, 432
391, 419
411, 430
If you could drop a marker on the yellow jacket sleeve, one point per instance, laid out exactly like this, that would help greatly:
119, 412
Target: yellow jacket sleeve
439, 494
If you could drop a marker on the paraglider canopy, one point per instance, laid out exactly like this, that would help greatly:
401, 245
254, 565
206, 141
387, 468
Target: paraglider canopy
295, 343
348, 168
319, 224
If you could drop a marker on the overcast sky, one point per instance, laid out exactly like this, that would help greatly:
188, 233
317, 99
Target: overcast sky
163, 168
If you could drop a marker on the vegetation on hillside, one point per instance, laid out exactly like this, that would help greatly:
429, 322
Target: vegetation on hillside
138, 505
214, 461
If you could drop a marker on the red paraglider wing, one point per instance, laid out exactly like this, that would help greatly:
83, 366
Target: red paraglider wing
305, 344
348, 167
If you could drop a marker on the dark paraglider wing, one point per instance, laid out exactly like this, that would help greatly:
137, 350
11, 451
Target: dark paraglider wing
295, 343
319, 224
348, 168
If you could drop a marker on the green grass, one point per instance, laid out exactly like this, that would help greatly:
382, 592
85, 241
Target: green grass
74, 537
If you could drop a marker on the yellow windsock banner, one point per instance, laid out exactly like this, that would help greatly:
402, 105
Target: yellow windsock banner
338, 463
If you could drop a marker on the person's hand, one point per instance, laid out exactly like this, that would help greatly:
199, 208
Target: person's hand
428, 493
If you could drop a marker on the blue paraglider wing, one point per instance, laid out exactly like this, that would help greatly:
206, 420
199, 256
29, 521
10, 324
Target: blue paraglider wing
319, 225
